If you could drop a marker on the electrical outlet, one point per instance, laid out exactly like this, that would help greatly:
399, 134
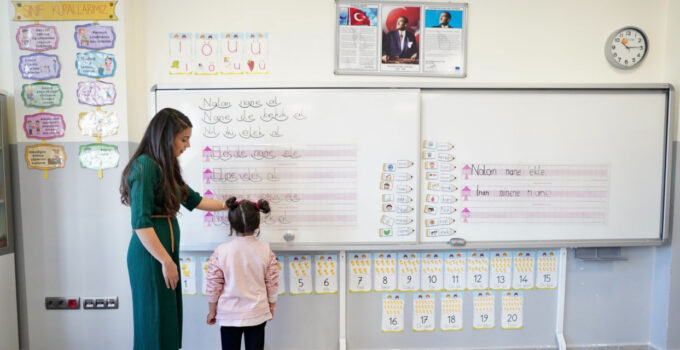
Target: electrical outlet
62, 303
100, 303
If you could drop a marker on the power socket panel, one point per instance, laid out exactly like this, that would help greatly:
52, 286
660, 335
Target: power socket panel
62, 303
100, 303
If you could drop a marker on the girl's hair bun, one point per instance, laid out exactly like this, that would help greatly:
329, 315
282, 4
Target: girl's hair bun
231, 203
264, 206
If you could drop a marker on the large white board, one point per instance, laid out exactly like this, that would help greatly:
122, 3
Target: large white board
338, 166
502, 166
574, 166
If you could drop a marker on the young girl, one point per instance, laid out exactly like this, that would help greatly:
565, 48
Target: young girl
243, 279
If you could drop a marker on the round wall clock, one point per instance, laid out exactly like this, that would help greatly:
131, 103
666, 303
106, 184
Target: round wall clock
626, 47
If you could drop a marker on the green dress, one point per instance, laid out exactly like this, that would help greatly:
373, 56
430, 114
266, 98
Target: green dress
157, 310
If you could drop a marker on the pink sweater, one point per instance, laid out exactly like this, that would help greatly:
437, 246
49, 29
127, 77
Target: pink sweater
243, 278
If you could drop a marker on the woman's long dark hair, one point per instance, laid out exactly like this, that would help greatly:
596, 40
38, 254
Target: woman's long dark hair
158, 144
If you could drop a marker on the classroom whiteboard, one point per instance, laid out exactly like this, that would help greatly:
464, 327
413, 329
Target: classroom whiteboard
337, 165
572, 166
488, 166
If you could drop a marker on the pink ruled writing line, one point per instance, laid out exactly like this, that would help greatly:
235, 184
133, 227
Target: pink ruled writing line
553, 194
536, 215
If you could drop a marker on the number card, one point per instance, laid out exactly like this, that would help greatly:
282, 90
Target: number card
512, 310
393, 313
204, 266
484, 310
359, 272
523, 274
477, 270
181, 53
282, 280
409, 272
501, 270
326, 277
188, 267
454, 271
423, 312
432, 272
385, 272
546, 269
206, 54
452, 312
300, 273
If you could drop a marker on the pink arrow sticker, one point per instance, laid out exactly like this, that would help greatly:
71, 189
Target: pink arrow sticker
465, 214
467, 171
206, 176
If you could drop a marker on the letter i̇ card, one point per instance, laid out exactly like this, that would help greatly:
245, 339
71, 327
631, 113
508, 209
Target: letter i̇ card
326, 277
392, 312
360, 272
300, 274
452, 311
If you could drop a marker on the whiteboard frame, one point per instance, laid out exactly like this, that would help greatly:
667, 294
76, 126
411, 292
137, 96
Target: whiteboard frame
664, 224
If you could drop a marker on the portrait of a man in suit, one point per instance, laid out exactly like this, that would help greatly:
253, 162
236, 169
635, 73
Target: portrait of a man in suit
400, 45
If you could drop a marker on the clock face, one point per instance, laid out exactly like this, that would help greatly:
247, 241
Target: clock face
626, 47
